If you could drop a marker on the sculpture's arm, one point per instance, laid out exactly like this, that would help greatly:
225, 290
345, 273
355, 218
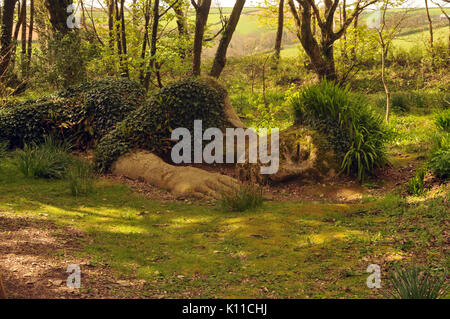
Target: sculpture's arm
182, 181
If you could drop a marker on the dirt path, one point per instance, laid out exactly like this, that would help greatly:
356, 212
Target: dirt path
35, 253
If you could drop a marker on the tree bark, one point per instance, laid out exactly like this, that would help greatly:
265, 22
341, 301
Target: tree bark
201, 18
124, 39
24, 38
144, 41
182, 26
30, 37
279, 36
58, 14
111, 23
153, 40
221, 53
430, 24
320, 48
6, 36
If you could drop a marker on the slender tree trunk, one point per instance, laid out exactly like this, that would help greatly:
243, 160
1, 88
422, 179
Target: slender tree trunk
355, 26
153, 40
24, 38
144, 41
6, 36
124, 38
182, 26
58, 14
383, 79
111, 8
430, 24
279, 36
201, 18
221, 53
30, 38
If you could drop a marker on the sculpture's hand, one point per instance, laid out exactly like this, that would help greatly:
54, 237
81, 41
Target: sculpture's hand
190, 181
181, 181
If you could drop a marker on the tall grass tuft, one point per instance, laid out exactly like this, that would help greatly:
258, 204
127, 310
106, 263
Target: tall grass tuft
356, 132
80, 178
412, 283
416, 184
242, 198
47, 160
3, 149
442, 120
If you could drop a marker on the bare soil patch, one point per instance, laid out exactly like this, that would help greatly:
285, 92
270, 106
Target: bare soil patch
35, 254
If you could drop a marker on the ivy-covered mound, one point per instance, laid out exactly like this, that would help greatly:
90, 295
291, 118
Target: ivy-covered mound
356, 133
149, 127
81, 114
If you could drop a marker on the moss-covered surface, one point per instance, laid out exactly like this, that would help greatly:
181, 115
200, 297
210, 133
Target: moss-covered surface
283, 250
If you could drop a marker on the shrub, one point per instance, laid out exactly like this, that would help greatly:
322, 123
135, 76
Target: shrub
242, 198
80, 178
416, 183
47, 160
411, 283
439, 162
400, 102
81, 114
3, 149
442, 120
150, 126
356, 133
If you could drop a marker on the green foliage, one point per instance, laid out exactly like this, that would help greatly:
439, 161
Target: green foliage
242, 198
48, 160
81, 114
442, 120
411, 283
3, 149
80, 178
399, 102
416, 183
356, 133
439, 162
150, 126
271, 111
61, 60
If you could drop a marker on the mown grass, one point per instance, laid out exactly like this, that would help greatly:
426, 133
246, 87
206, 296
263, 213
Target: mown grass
310, 250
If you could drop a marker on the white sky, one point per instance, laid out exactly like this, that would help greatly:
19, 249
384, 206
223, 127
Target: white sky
252, 3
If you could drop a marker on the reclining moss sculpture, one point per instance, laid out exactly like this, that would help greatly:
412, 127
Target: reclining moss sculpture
131, 135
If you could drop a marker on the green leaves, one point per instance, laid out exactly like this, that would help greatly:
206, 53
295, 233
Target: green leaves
356, 133
415, 185
412, 283
149, 127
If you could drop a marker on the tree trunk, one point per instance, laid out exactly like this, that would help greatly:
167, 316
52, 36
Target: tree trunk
124, 39
182, 26
6, 36
24, 38
58, 14
153, 40
279, 35
430, 23
30, 37
111, 23
321, 57
144, 41
383, 79
221, 53
201, 18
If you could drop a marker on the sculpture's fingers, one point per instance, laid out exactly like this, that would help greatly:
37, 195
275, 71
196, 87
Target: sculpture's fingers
209, 189
202, 195
228, 181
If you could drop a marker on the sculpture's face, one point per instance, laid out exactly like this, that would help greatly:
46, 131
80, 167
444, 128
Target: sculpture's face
302, 155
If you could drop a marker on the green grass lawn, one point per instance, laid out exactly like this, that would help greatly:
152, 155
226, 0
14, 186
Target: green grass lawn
283, 250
